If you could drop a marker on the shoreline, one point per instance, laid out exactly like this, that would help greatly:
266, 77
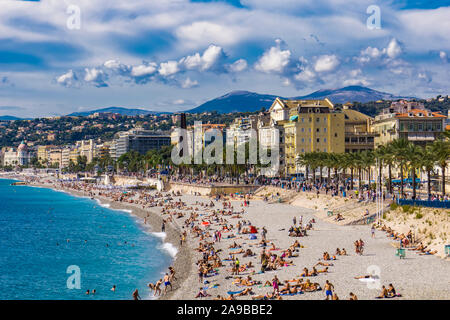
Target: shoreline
409, 276
181, 262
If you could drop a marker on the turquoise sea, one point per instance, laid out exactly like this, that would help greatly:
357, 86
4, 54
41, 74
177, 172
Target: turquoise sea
43, 232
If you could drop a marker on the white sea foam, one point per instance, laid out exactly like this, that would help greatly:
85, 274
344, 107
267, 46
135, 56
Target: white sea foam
104, 205
161, 235
170, 248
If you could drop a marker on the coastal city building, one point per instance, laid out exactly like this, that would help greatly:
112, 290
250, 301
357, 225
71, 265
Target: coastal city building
359, 135
19, 156
140, 140
309, 126
410, 121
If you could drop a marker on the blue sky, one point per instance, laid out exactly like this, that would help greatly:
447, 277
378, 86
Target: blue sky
172, 55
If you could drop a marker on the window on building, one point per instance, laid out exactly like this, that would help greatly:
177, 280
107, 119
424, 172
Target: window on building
324, 139
325, 150
303, 139
317, 119
335, 135
318, 139
303, 129
317, 130
324, 129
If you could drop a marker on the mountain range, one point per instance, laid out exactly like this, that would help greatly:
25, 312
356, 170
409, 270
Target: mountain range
120, 110
243, 101
246, 101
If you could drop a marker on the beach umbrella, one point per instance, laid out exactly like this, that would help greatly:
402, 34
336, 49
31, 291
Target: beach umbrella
205, 223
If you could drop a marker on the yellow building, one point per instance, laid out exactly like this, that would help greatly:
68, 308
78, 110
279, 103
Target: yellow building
73, 155
55, 156
43, 154
359, 134
309, 126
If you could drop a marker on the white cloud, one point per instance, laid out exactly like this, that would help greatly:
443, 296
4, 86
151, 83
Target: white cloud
144, 69
95, 76
356, 82
307, 75
209, 60
393, 49
238, 66
443, 56
326, 63
67, 79
168, 68
188, 83
204, 32
178, 101
274, 60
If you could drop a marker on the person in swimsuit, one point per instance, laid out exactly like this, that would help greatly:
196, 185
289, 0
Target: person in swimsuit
328, 289
167, 283
275, 285
136, 295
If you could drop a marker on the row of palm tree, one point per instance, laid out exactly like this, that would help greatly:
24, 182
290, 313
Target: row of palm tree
401, 154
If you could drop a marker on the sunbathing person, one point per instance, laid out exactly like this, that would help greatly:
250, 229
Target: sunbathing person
202, 293
323, 270
245, 292
248, 253
391, 291
234, 245
305, 273
428, 252
338, 252
383, 294
325, 264
353, 296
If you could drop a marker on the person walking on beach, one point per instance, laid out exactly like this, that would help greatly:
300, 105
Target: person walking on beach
328, 289
163, 226
275, 282
167, 283
136, 295
172, 274
200, 274
237, 263
373, 231
294, 221
263, 233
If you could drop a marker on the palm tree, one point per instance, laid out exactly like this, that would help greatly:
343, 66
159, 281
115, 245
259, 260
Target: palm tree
427, 161
366, 162
441, 150
389, 159
380, 154
413, 152
399, 147
350, 159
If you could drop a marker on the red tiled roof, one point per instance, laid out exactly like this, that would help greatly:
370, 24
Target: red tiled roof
416, 112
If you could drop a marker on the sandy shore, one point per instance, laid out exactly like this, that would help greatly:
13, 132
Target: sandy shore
415, 277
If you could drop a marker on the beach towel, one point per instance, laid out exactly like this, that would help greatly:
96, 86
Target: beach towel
252, 237
291, 294
235, 292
